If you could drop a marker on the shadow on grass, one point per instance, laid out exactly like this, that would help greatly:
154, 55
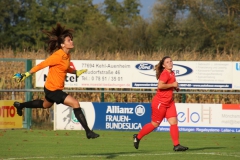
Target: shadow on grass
204, 148
112, 155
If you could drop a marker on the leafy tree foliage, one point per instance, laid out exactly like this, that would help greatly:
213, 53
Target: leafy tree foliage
175, 25
122, 14
200, 24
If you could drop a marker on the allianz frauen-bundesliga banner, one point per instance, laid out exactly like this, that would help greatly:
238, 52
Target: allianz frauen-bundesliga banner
133, 116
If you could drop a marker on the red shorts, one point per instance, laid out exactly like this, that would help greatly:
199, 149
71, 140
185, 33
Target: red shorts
160, 111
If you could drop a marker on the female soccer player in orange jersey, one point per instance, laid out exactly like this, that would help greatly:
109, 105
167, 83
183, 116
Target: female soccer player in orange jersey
59, 44
163, 105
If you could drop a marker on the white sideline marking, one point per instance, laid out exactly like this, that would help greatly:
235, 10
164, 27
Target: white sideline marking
127, 155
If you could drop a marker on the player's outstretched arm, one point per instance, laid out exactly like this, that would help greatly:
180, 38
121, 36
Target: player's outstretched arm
77, 72
21, 76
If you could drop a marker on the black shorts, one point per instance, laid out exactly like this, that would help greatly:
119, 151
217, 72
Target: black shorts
57, 96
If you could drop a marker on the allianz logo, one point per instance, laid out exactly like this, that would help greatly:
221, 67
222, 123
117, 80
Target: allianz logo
144, 66
139, 110
117, 109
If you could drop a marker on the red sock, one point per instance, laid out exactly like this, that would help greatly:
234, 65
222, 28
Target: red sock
147, 128
174, 132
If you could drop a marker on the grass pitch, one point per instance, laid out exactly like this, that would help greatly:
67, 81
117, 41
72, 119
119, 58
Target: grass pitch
72, 145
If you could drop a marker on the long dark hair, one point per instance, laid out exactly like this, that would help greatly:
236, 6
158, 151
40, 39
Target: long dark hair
159, 67
57, 36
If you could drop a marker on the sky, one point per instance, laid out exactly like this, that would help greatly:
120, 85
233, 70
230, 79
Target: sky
145, 10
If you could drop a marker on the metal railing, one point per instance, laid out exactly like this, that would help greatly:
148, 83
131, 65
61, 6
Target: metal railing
118, 91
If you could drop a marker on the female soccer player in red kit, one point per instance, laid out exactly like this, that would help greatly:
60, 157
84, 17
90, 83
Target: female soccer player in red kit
163, 105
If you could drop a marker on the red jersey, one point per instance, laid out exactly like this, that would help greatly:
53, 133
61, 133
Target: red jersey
166, 95
59, 66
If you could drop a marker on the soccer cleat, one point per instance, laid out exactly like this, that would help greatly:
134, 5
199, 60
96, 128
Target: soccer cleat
92, 135
19, 109
180, 148
136, 141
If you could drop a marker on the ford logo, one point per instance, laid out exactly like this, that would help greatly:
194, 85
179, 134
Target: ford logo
144, 66
181, 70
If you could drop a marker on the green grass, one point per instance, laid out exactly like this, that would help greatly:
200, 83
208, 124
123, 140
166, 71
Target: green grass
72, 145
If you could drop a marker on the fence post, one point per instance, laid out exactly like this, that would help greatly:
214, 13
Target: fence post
183, 97
102, 95
13, 95
28, 95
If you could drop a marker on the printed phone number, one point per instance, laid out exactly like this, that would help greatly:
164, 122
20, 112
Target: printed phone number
101, 78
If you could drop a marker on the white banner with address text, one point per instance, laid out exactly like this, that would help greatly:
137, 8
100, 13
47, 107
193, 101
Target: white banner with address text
140, 74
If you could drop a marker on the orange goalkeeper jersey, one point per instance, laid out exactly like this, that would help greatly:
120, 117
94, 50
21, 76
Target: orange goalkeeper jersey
59, 66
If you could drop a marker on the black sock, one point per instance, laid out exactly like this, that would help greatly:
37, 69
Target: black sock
81, 118
32, 104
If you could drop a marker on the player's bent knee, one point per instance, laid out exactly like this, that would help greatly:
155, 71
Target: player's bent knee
75, 104
45, 107
172, 121
155, 124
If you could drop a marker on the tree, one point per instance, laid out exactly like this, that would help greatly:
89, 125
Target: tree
203, 25
122, 14
11, 15
23, 21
